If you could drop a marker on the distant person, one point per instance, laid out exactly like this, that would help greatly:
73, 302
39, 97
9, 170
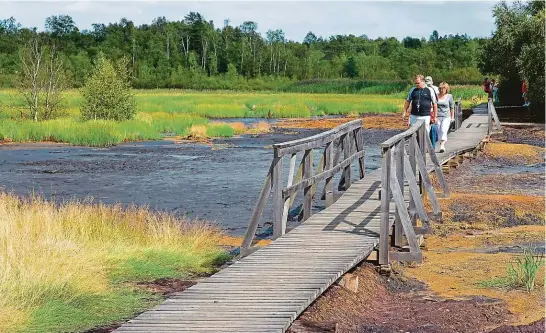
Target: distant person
495, 91
423, 103
524, 93
487, 88
430, 83
446, 113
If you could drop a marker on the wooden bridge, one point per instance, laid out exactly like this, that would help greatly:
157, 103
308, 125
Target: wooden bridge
380, 215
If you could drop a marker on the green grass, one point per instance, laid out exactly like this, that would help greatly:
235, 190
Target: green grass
220, 131
89, 311
521, 273
173, 112
73, 266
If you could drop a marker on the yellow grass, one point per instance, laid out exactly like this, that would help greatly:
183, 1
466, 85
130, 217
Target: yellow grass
198, 131
457, 274
62, 252
259, 128
517, 153
238, 127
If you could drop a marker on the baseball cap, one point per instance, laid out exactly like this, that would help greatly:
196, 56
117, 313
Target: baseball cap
428, 80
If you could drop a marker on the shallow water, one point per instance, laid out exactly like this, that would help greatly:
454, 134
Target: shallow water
218, 182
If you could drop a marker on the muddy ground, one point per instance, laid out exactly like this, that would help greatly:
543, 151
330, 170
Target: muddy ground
496, 209
219, 182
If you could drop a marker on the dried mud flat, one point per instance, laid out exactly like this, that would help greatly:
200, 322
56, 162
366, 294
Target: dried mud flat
219, 182
496, 209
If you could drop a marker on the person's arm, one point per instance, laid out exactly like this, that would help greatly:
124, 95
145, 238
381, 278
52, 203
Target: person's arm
451, 107
434, 111
406, 106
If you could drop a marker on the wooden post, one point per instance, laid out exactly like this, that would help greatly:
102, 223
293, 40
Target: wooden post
278, 204
359, 142
347, 151
399, 162
258, 209
308, 194
329, 164
286, 207
489, 118
385, 206
411, 150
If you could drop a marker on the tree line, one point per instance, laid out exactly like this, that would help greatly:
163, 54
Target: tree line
194, 53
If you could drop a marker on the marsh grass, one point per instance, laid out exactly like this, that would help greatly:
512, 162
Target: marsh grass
78, 260
521, 273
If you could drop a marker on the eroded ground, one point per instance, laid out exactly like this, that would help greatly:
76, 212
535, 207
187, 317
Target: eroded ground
496, 209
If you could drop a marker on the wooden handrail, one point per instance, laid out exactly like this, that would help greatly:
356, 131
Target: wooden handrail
341, 146
315, 141
404, 135
404, 156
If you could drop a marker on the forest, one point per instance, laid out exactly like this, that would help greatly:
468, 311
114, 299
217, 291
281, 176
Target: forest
198, 54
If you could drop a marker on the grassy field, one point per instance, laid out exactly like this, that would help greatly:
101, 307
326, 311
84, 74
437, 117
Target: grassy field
81, 261
174, 112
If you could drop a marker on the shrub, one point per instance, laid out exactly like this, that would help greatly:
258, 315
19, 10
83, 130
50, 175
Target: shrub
107, 92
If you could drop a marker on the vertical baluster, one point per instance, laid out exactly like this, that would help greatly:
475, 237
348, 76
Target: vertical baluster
329, 164
307, 193
399, 163
278, 203
385, 206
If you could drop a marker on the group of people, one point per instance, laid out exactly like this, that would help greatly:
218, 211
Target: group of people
433, 104
491, 88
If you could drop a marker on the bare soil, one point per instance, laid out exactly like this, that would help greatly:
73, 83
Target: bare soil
398, 304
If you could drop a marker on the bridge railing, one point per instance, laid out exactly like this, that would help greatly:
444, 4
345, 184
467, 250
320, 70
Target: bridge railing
404, 160
458, 113
492, 115
341, 146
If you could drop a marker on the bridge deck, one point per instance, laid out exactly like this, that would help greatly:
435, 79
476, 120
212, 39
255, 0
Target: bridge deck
267, 290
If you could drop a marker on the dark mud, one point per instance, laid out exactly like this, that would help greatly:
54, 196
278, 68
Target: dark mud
218, 182
380, 307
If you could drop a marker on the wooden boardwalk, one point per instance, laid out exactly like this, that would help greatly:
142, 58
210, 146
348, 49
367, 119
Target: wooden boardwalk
268, 289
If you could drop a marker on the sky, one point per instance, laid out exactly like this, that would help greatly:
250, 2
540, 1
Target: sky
296, 18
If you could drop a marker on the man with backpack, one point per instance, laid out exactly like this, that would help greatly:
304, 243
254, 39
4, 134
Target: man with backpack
423, 103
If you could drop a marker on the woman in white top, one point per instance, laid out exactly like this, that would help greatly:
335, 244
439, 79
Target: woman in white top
445, 114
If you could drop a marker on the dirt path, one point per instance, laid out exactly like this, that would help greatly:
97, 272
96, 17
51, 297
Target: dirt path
496, 209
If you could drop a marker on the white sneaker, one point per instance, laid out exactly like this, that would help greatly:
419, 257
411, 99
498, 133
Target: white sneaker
442, 148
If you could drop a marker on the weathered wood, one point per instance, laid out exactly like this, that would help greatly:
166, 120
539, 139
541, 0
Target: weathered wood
414, 190
425, 181
315, 141
411, 153
329, 183
347, 152
258, 210
404, 135
404, 216
398, 166
287, 200
437, 169
278, 203
385, 199
317, 178
307, 173
359, 144
306, 261
494, 114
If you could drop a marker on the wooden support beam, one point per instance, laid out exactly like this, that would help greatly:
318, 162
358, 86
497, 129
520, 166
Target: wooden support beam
307, 173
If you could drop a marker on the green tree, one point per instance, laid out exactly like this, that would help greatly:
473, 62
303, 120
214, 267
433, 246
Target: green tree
107, 92
516, 50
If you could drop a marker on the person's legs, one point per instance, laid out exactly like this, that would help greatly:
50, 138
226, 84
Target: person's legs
414, 119
443, 129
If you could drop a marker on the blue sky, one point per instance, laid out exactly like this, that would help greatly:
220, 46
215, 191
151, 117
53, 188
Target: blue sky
296, 18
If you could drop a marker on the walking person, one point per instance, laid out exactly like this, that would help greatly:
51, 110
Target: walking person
446, 113
430, 83
524, 93
495, 91
423, 103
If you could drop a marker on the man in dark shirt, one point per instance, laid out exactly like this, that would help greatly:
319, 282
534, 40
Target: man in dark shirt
423, 103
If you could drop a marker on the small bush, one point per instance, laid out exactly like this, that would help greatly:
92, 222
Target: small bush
107, 92
220, 130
